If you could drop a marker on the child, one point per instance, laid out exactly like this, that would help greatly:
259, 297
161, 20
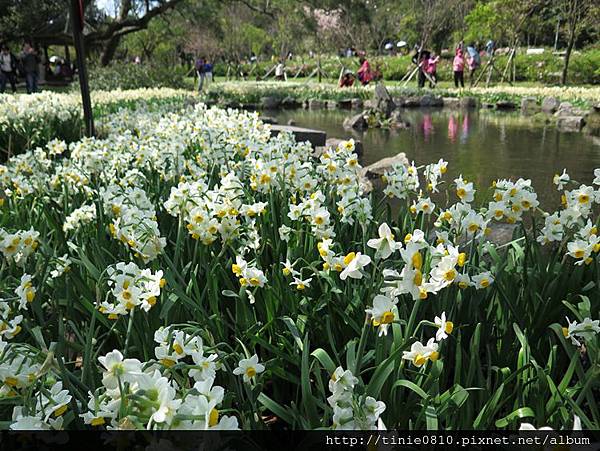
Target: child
347, 80
458, 66
431, 69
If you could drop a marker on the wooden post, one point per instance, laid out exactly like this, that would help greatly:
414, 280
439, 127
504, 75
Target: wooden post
77, 16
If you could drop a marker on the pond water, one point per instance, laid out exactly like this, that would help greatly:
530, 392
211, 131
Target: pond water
481, 145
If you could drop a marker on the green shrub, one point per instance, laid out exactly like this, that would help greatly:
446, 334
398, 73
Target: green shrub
135, 76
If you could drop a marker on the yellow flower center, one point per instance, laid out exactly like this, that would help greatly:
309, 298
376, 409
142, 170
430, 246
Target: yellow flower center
348, 258
250, 372
462, 259
418, 278
419, 360
97, 421
236, 269
579, 253
417, 261
62, 409
461, 192
449, 327
213, 418
434, 356
450, 275
387, 318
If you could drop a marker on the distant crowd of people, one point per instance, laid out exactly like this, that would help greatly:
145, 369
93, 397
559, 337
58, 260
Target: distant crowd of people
31, 66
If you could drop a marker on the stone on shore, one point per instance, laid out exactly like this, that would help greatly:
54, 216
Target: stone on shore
269, 103
570, 123
377, 169
451, 102
315, 137
396, 120
268, 120
356, 122
290, 103
505, 105
382, 100
430, 100
356, 104
469, 102
315, 104
592, 121
550, 105
529, 106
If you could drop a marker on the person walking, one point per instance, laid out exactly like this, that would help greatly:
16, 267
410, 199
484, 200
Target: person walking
431, 69
473, 62
200, 72
30, 61
208, 71
458, 66
421, 59
8, 69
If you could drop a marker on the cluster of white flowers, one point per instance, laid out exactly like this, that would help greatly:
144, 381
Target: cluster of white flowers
18, 246
159, 394
131, 287
350, 410
80, 217
134, 221
574, 223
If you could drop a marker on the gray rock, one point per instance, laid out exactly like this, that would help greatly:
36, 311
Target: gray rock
356, 122
487, 106
331, 104
368, 104
470, 102
290, 103
332, 143
269, 120
505, 105
315, 137
550, 105
500, 232
412, 102
345, 104
396, 120
269, 103
570, 123
315, 104
592, 121
429, 100
383, 101
564, 109
377, 169
356, 104
529, 106
451, 102
291, 122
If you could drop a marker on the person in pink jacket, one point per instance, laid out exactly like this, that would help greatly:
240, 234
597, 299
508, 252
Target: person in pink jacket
458, 66
431, 69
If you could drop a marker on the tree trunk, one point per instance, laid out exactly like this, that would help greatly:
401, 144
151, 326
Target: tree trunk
109, 50
563, 78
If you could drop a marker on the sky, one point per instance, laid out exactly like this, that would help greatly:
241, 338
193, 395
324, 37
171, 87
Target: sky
106, 5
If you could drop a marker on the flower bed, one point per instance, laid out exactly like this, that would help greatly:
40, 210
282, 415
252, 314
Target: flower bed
188, 271
27, 121
253, 92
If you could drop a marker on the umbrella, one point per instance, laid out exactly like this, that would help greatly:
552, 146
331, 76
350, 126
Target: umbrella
401, 44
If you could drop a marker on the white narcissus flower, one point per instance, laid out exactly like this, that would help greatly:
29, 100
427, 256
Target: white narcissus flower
382, 313
248, 368
445, 327
384, 245
354, 263
116, 368
420, 353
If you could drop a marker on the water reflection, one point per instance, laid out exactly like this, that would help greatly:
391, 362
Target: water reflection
481, 145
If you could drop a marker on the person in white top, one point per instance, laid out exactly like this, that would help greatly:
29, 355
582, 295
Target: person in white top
8, 68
